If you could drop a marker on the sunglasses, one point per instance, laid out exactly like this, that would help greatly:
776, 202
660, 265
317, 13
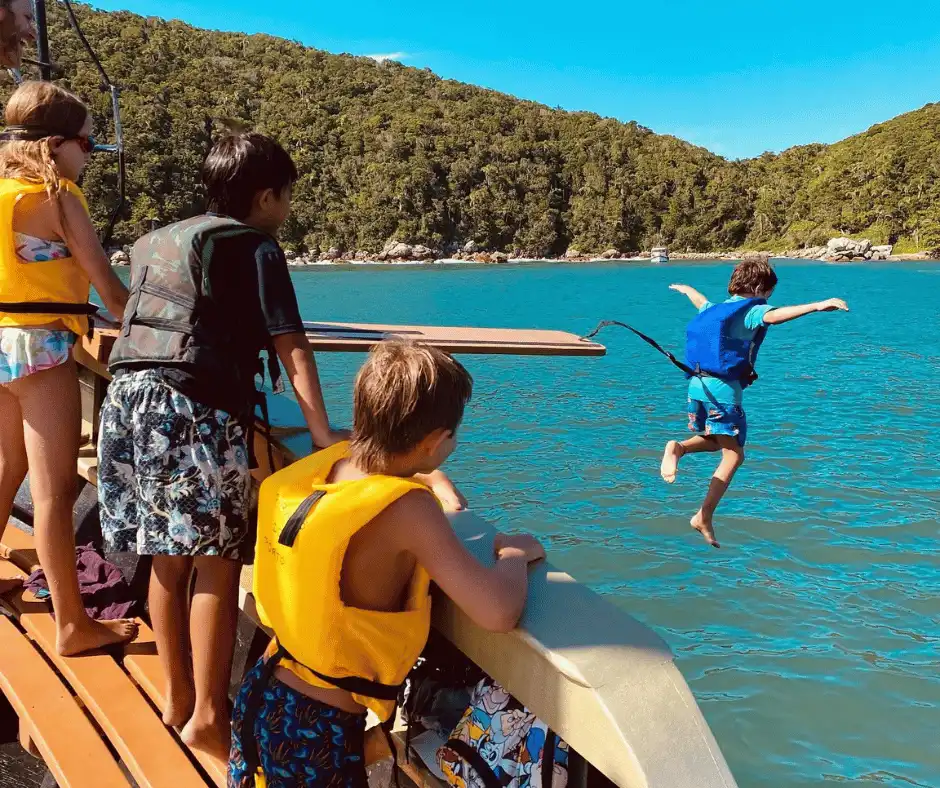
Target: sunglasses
87, 144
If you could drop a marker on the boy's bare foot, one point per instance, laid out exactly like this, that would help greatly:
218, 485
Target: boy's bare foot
8, 584
77, 639
214, 738
704, 527
670, 465
180, 702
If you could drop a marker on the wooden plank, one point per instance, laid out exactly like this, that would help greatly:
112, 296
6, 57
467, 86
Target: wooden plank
143, 664
16, 546
352, 337
359, 337
151, 753
88, 468
68, 743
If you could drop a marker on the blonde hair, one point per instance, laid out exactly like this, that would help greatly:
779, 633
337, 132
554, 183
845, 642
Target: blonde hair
44, 108
403, 393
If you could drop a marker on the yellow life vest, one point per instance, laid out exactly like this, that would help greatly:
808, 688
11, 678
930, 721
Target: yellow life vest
62, 282
304, 529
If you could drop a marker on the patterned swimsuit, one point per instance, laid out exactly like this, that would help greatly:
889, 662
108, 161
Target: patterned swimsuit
25, 351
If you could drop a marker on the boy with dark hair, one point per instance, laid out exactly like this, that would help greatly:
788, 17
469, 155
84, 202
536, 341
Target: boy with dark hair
208, 296
349, 541
722, 345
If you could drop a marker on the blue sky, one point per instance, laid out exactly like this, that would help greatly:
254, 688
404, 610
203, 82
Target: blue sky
736, 77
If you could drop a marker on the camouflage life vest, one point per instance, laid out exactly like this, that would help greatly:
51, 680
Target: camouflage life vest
171, 318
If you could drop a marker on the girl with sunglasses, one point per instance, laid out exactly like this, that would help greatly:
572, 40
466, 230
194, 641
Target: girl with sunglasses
49, 257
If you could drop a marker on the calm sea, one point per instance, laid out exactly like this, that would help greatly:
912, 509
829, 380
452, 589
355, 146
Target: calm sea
811, 638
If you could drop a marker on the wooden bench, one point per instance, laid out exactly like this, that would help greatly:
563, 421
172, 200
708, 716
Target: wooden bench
50, 718
143, 664
152, 754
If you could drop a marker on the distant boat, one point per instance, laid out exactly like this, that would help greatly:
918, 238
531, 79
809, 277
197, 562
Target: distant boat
660, 254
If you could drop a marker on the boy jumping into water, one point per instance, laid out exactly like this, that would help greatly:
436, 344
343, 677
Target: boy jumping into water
723, 341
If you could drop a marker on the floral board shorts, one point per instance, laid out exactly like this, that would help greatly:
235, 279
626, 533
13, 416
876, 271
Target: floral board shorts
25, 351
173, 475
302, 743
718, 418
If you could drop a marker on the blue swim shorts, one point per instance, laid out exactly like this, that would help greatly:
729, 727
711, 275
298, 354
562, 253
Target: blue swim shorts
717, 418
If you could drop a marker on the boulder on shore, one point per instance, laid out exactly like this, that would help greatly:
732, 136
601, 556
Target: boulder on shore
120, 257
611, 254
845, 249
396, 250
420, 252
573, 254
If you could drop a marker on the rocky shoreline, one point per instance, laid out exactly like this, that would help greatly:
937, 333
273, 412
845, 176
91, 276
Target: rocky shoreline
838, 250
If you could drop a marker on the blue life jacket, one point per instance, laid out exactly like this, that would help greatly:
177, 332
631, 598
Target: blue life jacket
712, 350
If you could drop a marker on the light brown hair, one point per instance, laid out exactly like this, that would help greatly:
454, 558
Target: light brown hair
751, 277
403, 393
44, 106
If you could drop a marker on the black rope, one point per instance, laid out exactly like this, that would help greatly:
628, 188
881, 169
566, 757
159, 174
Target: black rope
652, 342
108, 86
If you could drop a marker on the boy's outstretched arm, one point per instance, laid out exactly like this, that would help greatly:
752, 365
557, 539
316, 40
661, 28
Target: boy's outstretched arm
493, 597
785, 314
296, 355
697, 299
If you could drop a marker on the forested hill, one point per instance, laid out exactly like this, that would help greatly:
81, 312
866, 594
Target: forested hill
392, 152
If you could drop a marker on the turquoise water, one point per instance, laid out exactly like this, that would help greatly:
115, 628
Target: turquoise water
811, 638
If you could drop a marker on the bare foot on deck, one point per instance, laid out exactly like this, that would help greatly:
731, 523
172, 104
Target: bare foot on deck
214, 738
705, 528
670, 465
180, 702
8, 584
72, 640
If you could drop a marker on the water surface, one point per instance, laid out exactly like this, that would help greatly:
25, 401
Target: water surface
811, 638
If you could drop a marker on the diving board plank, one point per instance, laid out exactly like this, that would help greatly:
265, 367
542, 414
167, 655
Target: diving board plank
68, 743
360, 337
143, 664
338, 337
153, 757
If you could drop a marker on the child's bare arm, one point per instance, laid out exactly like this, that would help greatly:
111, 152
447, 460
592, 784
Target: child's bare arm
446, 491
297, 357
493, 597
79, 235
697, 299
785, 314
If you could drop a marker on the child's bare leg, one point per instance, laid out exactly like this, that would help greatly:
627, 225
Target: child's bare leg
213, 620
51, 411
168, 600
732, 458
676, 450
12, 464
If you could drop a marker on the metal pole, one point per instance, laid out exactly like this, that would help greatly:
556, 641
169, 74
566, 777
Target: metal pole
42, 39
